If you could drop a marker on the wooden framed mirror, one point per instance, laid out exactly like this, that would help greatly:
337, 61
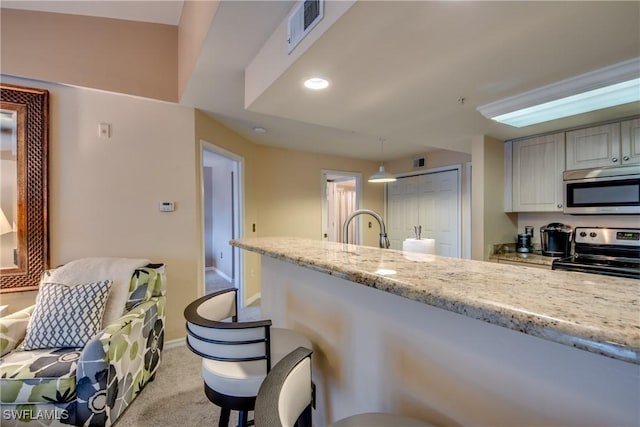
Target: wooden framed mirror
24, 239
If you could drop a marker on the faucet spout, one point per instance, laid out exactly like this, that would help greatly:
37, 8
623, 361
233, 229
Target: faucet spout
384, 241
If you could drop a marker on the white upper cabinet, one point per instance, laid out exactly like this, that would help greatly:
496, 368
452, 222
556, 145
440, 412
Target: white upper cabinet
598, 146
537, 166
630, 142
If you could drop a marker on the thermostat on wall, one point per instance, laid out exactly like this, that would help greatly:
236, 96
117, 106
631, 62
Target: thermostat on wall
167, 207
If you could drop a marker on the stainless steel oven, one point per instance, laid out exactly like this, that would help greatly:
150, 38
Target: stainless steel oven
614, 190
601, 250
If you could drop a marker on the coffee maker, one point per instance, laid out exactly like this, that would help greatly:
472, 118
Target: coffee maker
555, 239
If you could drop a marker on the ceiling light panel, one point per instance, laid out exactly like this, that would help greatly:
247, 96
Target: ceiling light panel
616, 84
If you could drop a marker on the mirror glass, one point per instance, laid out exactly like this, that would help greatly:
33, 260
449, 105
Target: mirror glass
24, 240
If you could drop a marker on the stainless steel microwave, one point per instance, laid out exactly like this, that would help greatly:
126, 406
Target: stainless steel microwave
612, 191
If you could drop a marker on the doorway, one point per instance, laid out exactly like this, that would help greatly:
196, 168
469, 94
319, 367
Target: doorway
341, 195
222, 218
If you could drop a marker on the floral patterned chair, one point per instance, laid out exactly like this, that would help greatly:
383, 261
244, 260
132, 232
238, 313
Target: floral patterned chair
89, 386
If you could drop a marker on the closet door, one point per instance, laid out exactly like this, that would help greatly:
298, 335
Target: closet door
439, 211
432, 201
402, 199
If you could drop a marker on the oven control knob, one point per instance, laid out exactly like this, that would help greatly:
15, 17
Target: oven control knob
583, 234
592, 234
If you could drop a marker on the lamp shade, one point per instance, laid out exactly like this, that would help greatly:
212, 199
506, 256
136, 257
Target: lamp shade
5, 226
382, 176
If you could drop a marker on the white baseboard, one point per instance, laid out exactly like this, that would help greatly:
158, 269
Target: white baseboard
175, 343
220, 273
253, 299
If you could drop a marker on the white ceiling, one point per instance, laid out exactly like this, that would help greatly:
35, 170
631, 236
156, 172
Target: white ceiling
397, 68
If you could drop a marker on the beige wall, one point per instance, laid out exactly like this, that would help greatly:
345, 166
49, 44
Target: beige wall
137, 58
489, 223
104, 193
434, 159
282, 194
290, 199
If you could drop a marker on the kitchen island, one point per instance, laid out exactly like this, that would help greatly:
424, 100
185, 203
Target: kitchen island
456, 342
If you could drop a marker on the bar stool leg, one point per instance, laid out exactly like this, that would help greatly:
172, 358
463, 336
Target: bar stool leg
224, 417
243, 418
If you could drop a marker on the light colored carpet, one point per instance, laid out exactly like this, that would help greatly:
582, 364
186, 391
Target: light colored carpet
176, 397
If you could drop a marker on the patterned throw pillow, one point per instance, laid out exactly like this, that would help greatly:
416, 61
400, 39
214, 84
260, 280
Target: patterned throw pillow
66, 316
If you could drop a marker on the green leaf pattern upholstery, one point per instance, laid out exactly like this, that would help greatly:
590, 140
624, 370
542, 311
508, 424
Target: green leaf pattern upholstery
88, 386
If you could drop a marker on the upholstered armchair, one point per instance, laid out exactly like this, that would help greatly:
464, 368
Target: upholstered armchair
90, 385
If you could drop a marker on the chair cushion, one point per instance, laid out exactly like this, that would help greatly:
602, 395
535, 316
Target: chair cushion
12, 331
39, 376
243, 379
66, 316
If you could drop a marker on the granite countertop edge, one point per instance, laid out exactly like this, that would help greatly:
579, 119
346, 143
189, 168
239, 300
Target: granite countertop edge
581, 336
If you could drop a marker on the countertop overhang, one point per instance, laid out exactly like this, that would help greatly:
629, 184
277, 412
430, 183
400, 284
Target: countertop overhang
599, 314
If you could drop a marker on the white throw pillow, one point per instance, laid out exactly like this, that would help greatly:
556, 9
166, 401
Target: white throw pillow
66, 316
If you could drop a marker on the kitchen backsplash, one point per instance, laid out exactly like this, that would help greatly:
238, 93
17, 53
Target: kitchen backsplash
539, 219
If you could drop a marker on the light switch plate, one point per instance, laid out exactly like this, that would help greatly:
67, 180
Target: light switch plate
104, 130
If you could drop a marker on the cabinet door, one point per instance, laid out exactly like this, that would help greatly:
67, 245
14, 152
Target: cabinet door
538, 164
593, 147
630, 142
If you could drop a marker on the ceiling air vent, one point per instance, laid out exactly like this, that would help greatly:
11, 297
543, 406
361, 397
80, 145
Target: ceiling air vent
306, 14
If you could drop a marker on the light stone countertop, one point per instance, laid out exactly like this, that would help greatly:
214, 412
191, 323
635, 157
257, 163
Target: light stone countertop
600, 314
529, 258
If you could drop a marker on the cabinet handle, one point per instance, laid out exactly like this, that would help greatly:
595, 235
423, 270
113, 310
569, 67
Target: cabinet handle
559, 205
625, 158
614, 160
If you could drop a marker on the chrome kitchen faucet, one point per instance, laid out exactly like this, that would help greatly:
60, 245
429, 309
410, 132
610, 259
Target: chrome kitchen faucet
384, 242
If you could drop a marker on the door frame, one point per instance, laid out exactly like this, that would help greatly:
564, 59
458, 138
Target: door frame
238, 217
323, 198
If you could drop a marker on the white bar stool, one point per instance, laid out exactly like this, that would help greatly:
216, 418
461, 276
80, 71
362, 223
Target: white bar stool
236, 356
285, 399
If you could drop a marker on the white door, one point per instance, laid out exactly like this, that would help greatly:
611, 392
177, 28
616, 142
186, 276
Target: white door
432, 201
402, 202
439, 211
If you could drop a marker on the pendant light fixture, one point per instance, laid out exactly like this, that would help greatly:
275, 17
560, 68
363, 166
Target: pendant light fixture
382, 175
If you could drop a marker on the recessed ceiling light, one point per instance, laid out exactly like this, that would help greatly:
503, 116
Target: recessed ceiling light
259, 129
316, 83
